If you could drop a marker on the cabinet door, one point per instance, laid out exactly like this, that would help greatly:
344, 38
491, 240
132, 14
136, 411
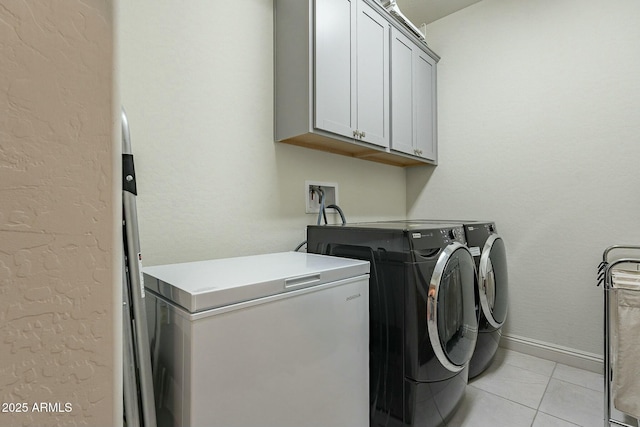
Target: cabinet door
334, 85
413, 102
372, 76
402, 111
425, 105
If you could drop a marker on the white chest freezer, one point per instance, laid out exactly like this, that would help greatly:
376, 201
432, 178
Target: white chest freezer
276, 340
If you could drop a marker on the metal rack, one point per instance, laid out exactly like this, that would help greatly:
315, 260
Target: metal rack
138, 394
614, 258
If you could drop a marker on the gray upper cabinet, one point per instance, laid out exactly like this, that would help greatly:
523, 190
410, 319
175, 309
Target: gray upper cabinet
335, 66
413, 99
351, 72
372, 80
332, 80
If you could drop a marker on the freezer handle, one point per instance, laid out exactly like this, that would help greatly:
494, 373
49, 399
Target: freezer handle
295, 282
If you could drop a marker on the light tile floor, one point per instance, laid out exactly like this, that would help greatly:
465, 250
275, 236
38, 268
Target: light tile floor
522, 390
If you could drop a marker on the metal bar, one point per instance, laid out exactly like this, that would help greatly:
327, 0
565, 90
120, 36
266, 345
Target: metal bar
618, 423
607, 359
130, 381
605, 255
136, 286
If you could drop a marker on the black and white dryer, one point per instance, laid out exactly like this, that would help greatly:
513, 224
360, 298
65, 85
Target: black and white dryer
490, 256
488, 250
423, 321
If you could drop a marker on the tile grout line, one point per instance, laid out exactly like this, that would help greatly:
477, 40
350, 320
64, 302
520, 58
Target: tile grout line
569, 381
558, 418
528, 370
555, 365
545, 391
502, 397
551, 376
537, 411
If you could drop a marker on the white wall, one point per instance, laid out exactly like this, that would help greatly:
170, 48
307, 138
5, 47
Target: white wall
196, 79
539, 131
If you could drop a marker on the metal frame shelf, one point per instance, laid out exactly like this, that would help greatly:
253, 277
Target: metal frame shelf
613, 257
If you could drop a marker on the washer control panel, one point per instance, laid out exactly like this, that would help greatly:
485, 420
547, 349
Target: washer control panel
454, 234
436, 238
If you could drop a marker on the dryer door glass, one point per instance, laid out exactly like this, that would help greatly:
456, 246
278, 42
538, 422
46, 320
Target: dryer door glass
494, 281
451, 318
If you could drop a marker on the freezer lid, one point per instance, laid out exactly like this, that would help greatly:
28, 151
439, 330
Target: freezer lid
202, 285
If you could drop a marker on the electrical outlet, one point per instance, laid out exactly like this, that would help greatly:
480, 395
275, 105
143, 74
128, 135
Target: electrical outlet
312, 197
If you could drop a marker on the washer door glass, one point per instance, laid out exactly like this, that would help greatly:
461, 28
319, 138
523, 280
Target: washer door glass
493, 281
451, 314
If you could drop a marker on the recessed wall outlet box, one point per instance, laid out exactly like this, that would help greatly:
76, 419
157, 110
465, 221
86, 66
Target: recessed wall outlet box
312, 195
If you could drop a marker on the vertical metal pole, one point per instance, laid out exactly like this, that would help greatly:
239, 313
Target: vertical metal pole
130, 380
136, 283
607, 356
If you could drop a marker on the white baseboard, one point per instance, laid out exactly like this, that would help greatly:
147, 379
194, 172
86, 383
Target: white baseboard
566, 356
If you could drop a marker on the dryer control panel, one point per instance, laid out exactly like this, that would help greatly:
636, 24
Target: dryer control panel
437, 237
478, 233
455, 234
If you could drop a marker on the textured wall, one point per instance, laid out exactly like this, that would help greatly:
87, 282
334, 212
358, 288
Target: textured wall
539, 131
196, 80
56, 213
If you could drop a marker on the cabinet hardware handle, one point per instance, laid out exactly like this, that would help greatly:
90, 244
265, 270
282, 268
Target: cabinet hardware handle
362, 135
355, 133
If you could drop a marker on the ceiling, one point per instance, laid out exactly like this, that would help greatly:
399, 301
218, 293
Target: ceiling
426, 11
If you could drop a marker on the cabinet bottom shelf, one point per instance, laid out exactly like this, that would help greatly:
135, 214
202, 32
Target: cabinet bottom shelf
350, 149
